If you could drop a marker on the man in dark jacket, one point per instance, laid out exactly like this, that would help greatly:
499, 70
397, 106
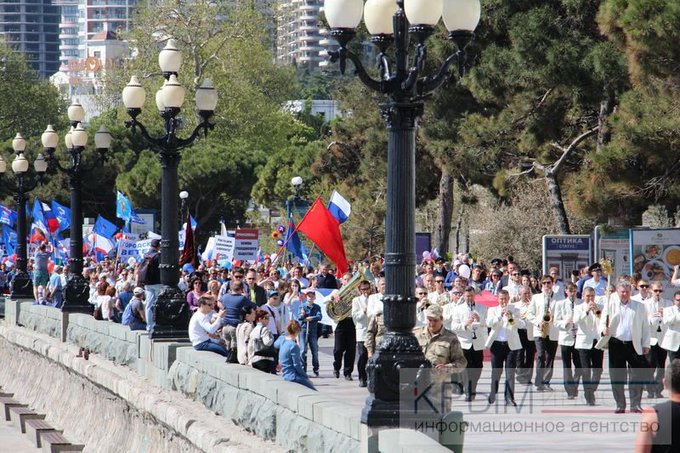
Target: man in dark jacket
256, 293
234, 302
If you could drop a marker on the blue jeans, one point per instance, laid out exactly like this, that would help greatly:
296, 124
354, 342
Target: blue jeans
152, 292
311, 343
212, 347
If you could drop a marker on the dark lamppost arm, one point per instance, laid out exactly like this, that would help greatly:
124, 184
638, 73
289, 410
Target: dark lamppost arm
402, 80
170, 312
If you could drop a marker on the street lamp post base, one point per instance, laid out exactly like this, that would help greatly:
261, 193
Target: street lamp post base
399, 382
76, 295
21, 286
171, 315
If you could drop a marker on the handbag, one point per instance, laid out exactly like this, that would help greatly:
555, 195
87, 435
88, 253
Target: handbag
98, 313
265, 351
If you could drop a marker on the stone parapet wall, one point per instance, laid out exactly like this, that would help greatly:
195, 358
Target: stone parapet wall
295, 417
110, 408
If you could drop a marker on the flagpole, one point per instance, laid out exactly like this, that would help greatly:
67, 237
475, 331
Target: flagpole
289, 236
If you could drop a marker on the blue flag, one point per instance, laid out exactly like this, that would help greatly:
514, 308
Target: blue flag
293, 242
123, 207
38, 217
9, 237
104, 228
7, 216
63, 215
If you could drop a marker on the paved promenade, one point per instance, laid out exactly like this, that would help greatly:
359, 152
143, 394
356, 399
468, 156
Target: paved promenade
11, 439
541, 421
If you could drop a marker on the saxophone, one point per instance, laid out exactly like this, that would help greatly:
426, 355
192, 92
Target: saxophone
510, 318
547, 319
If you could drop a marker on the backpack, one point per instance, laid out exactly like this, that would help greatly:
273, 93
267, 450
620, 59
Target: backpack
143, 272
127, 318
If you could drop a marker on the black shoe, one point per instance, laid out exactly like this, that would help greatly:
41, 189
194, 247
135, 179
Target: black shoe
363, 383
348, 378
336, 374
636, 409
571, 397
529, 383
540, 388
548, 388
510, 402
492, 398
469, 398
316, 374
620, 410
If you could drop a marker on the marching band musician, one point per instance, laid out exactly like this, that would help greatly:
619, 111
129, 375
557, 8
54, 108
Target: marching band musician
656, 357
526, 355
564, 321
439, 296
503, 342
421, 305
360, 317
375, 303
671, 321
468, 321
586, 317
541, 315
629, 342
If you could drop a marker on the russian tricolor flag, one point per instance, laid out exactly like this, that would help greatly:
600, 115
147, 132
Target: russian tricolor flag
51, 220
339, 207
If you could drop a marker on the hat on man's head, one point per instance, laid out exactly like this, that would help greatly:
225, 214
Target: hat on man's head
138, 291
308, 291
155, 243
57, 268
595, 267
103, 275
434, 311
496, 261
272, 293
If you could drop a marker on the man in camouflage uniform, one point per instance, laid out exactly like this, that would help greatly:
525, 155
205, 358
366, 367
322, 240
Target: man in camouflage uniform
442, 349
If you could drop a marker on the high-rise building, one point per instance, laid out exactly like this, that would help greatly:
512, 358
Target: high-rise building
298, 33
32, 27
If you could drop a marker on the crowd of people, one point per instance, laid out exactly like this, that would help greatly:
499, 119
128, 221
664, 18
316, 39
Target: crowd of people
267, 317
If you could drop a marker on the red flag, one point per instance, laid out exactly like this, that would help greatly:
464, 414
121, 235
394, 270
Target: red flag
323, 229
189, 252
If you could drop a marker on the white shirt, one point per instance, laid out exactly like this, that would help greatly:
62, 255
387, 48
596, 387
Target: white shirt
624, 331
278, 314
200, 327
512, 289
375, 304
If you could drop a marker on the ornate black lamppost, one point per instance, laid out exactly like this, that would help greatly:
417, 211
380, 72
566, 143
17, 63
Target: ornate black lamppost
77, 290
401, 79
171, 313
21, 285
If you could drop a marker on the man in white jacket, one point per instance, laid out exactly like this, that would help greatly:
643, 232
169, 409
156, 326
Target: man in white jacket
504, 343
564, 321
468, 321
586, 317
626, 321
656, 357
541, 314
361, 318
671, 321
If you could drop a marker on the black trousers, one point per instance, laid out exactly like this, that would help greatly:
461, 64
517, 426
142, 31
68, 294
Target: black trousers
656, 357
525, 358
362, 360
571, 377
502, 356
672, 355
545, 358
344, 347
626, 366
473, 370
591, 368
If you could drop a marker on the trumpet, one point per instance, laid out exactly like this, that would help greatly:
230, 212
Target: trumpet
511, 319
598, 313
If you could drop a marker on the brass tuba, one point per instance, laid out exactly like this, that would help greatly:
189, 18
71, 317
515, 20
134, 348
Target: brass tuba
340, 309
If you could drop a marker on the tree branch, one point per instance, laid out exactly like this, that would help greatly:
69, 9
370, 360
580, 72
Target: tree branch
568, 150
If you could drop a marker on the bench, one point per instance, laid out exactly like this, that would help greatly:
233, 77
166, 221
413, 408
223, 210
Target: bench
55, 442
7, 403
35, 427
20, 414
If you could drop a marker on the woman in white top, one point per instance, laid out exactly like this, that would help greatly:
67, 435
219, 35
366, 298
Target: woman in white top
260, 339
203, 329
243, 331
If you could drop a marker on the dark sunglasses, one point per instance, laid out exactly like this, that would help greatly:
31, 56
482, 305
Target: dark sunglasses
439, 281
546, 283
238, 276
643, 286
658, 290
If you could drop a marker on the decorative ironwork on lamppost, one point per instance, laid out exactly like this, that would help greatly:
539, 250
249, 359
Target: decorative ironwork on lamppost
171, 313
21, 285
77, 289
402, 79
